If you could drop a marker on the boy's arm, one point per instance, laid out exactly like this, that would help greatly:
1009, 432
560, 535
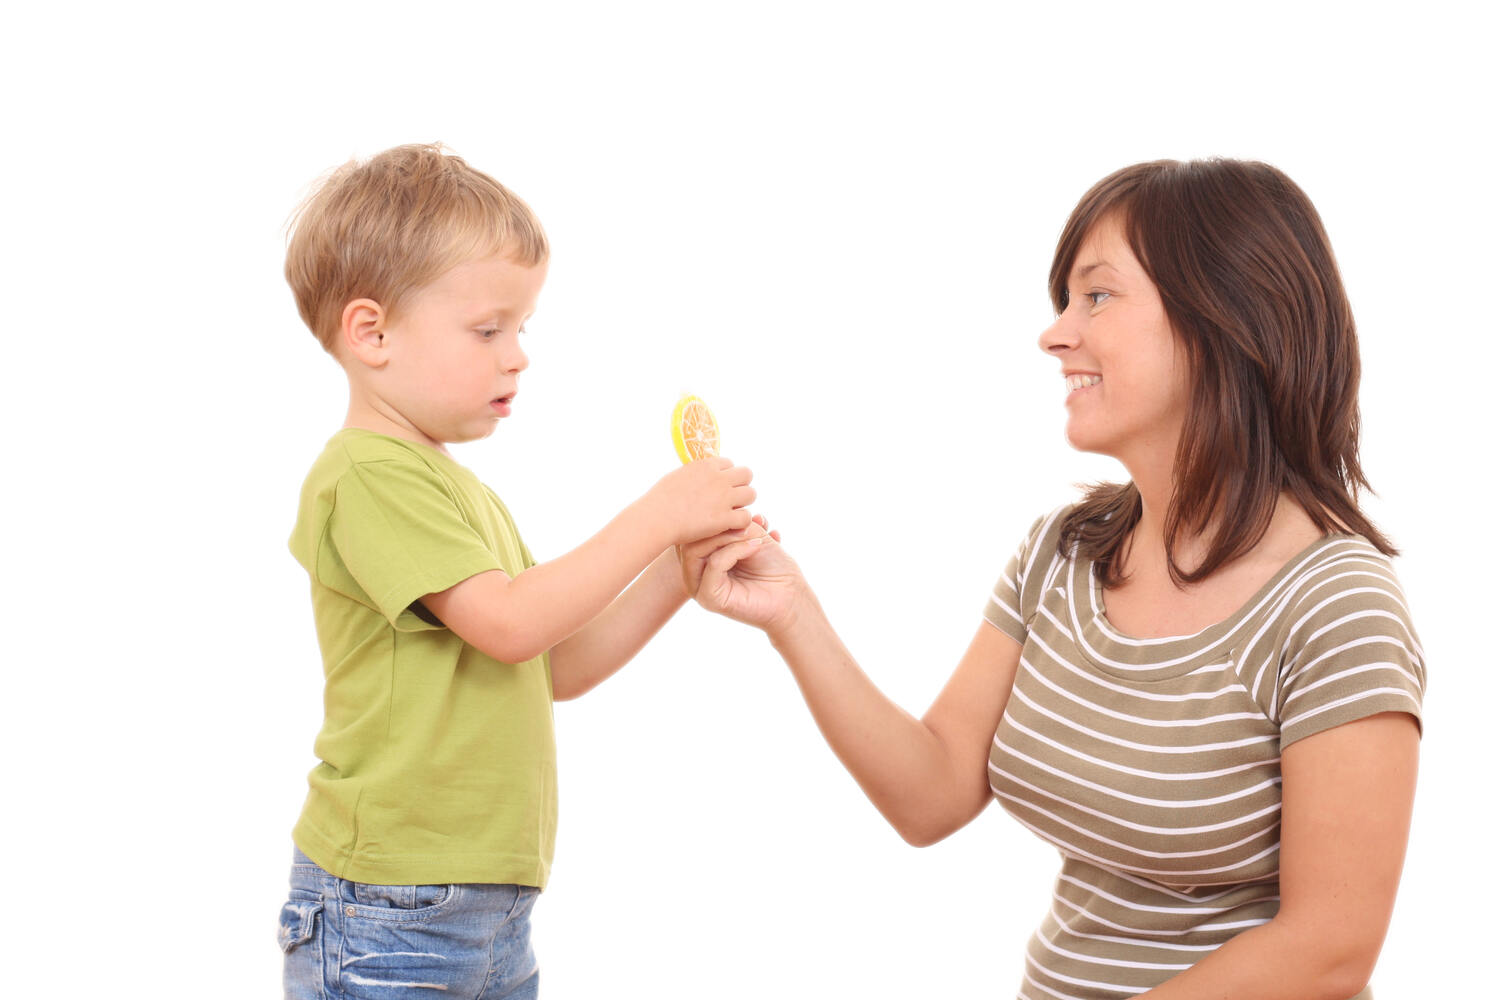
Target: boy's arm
514, 619
593, 653
611, 640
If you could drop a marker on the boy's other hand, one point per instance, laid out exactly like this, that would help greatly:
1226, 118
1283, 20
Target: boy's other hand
746, 575
693, 557
701, 499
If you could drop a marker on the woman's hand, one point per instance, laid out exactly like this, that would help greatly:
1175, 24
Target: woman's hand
745, 575
693, 557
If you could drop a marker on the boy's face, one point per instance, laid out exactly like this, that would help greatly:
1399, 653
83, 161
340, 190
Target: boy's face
453, 352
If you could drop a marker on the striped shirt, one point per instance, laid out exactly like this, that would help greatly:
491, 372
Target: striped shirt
1154, 765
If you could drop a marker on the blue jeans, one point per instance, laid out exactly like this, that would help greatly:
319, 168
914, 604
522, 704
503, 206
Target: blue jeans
351, 941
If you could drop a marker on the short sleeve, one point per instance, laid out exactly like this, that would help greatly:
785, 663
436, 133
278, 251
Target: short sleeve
1352, 652
398, 533
1007, 608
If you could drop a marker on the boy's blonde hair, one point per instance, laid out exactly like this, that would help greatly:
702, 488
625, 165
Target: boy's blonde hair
384, 228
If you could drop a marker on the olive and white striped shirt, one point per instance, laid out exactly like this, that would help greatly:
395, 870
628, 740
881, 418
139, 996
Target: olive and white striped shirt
1154, 765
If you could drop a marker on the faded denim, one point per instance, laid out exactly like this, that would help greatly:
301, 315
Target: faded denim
351, 941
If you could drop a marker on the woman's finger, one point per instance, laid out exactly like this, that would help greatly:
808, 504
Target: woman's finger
715, 577
704, 546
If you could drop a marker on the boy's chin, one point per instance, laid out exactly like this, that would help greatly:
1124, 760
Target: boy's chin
477, 433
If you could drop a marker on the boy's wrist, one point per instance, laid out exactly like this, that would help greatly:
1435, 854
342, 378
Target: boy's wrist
647, 521
666, 571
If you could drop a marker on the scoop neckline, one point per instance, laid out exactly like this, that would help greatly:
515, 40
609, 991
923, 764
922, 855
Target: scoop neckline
1112, 651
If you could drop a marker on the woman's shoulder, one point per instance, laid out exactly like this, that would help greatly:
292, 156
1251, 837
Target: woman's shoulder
1343, 565
1039, 558
1347, 644
1043, 538
1343, 588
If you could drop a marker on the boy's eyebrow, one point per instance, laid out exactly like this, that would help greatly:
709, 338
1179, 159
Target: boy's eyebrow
499, 312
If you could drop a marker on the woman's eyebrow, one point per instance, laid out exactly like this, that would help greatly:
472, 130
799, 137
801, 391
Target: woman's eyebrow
1084, 270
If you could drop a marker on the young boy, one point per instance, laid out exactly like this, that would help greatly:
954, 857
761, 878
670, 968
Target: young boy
428, 828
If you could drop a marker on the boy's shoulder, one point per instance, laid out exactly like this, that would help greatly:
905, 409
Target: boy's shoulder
372, 493
352, 446
353, 450
363, 468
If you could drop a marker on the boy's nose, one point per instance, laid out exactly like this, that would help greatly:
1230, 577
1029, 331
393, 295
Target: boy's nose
516, 362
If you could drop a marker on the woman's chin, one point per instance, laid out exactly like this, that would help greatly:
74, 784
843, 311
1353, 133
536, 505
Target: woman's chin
1083, 439
1108, 445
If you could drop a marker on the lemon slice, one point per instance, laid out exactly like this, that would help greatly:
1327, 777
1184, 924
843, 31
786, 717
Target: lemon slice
695, 432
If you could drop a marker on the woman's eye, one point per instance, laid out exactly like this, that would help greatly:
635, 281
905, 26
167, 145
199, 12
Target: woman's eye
1095, 298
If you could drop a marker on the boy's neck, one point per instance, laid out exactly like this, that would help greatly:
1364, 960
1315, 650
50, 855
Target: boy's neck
373, 415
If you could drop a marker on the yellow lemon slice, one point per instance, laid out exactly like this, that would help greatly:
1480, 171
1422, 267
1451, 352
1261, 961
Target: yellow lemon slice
695, 432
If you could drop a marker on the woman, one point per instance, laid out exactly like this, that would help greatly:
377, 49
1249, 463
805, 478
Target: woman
1203, 685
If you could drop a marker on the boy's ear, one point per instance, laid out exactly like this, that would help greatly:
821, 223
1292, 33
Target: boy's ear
362, 329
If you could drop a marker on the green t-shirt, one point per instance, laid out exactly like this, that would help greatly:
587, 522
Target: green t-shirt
438, 763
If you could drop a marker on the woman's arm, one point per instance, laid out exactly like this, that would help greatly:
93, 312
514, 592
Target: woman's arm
1346, 810
927, 776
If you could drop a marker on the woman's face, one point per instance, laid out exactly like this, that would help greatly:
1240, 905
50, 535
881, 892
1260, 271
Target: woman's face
1126, 373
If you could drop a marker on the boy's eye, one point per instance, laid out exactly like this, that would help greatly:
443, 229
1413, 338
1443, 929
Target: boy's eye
487, 334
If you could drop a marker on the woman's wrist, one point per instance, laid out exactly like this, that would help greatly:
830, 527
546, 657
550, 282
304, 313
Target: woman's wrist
801, 621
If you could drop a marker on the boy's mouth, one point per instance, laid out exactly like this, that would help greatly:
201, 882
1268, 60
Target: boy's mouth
501, 404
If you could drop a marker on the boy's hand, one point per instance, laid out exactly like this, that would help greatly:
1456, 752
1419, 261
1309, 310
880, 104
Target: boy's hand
701, 499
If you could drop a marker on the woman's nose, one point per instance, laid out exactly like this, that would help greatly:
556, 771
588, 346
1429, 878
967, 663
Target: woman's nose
1059, 337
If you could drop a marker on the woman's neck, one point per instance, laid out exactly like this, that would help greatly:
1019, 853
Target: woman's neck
1289, 531
1146, 549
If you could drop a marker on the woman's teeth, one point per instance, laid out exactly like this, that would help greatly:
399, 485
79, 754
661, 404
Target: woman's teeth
1076, 382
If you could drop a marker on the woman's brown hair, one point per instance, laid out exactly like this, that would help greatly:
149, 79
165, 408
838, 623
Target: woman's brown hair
1251, 289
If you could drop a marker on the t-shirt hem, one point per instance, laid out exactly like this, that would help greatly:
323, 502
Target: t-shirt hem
399, 599
1012, 628
489, 868
1353, 712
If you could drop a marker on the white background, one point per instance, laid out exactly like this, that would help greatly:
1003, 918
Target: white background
832, 221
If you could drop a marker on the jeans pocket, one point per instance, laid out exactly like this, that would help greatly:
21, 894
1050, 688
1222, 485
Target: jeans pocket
392, 947
399, 897
299, 919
